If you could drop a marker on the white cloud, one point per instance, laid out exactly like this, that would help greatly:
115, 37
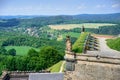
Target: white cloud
82, 6
116, 5
100, 6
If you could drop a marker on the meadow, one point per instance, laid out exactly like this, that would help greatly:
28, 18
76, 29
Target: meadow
21, 50
72, 34
86, 25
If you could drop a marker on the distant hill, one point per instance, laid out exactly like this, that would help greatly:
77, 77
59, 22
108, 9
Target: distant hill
8, 21
88, 17
17, 17
81, 18
99, 17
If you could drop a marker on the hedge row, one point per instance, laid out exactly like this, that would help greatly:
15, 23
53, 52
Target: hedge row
79, 44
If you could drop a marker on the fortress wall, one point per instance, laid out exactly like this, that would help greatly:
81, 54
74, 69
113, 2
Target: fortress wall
99, 59
85, 70
19, 75
92, 67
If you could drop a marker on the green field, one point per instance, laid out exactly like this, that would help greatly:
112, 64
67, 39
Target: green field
21, 50
114, 43
56, 67
72, 34
86, 25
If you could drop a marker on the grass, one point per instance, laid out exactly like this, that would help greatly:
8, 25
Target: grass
114, 43
72, 34
71, 26
56, 67
79, 44
21, 50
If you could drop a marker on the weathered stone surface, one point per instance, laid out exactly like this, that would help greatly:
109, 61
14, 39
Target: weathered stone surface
46, 76
93, 67
94, 71
68, 44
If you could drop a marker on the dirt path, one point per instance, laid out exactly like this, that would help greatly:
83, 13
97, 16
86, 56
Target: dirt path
104, 49
62, 67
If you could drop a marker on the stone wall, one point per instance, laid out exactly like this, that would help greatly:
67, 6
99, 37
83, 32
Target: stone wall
46, 76
96, 71
89, 67
4, 76
19, 75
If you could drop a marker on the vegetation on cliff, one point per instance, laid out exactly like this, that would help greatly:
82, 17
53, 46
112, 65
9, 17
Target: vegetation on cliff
56, 67
79, 44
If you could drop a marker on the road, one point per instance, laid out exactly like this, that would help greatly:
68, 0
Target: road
104, 50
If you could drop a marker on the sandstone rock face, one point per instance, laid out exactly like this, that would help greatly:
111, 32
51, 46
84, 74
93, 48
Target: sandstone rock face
85, 70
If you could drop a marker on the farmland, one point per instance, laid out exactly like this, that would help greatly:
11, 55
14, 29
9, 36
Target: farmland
71, 26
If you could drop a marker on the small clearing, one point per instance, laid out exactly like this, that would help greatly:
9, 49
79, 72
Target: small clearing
21, 50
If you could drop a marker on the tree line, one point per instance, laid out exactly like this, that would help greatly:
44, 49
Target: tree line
110, 30
34, 42
61, 19
34, 60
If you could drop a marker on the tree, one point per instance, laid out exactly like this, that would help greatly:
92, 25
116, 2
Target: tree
11, 63
50, 55
32, 53
3, 50
12, 52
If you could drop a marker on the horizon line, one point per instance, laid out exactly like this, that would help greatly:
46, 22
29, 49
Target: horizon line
58, 14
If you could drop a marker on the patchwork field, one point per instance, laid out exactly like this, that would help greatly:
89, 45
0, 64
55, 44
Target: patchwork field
86, 25
21, 50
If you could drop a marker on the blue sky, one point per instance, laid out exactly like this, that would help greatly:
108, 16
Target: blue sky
58, 7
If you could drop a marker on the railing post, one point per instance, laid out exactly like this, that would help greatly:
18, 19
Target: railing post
68, 44
69, 56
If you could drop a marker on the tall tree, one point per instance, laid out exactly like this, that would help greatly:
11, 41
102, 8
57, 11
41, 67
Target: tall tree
12, 52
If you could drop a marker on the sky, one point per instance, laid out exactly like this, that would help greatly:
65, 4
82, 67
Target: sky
58, 7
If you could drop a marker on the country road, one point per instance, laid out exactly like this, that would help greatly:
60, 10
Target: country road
104, 50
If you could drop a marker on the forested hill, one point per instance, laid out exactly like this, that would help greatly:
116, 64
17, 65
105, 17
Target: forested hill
61, 19
99, 17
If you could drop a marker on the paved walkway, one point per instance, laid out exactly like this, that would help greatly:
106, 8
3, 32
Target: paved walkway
105, 50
